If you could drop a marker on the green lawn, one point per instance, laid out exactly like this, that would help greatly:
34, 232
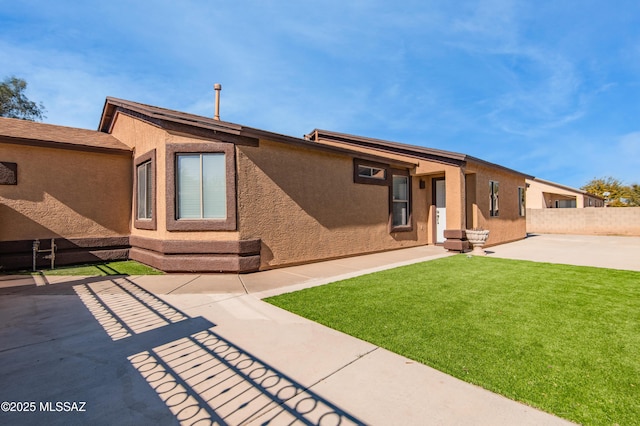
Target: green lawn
128, 267
562, 338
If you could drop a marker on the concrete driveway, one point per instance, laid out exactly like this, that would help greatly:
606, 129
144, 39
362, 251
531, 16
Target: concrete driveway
582, 250
202, 349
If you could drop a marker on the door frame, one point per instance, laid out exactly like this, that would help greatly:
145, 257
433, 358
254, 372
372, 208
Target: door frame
434, 203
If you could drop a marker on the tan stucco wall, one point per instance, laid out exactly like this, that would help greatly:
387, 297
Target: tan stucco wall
304, 206
605, 221
508, 226
64, 193
144, 137
542, 195
465, 208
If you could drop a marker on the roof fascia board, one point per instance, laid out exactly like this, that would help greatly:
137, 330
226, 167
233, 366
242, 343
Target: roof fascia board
180, 127
62, 145
174, 123
394, 148
497, 166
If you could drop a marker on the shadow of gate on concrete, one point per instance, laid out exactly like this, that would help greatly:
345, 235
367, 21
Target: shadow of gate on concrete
202, 377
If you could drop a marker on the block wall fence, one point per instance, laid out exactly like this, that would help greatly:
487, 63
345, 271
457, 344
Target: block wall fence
587, 221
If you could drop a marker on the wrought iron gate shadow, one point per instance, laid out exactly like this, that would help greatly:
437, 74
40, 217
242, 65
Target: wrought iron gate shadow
202, 377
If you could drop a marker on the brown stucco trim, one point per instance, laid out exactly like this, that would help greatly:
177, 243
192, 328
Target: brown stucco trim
228, 224
456, 240
390, 174
150, 224
241, 247
196, 263
370, 181
8, 173
18, 254
197, 256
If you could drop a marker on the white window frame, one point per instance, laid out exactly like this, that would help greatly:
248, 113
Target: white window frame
144, 191
371, 172
202, 190
396, 200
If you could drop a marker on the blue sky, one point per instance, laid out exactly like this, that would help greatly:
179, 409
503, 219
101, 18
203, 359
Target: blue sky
549, 88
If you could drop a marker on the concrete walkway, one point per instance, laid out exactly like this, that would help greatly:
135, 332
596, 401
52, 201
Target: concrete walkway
193, 349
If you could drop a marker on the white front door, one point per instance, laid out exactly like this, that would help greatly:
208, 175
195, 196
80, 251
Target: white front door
441, 210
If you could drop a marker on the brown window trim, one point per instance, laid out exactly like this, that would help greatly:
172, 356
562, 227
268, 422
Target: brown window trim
151, 224
228, 224
409, 226
370, 181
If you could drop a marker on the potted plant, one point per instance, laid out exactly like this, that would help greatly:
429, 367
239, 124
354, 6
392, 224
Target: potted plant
477, 237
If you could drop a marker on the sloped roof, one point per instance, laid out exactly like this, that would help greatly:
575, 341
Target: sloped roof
431, 154
199, 126
25, 132
387, 146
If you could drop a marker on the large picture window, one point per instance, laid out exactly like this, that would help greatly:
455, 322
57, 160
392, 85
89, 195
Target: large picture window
201, 186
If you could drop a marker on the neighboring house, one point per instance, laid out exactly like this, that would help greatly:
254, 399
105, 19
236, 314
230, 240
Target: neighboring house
542, 194
188, 193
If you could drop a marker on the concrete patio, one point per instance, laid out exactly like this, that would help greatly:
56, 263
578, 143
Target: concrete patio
201, 349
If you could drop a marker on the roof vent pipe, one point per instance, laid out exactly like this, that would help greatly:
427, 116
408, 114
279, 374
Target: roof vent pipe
217, 87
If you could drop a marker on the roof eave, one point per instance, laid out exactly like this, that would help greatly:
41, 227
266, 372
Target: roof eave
63, 145
440, 156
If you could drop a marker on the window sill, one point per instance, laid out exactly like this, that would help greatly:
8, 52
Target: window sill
201, 225
407, 228
149, 224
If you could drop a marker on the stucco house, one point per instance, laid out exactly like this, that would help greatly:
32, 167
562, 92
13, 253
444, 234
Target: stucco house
543, 194
183, 192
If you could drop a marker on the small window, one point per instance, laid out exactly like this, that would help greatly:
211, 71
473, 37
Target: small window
522, 200
494, 188
201, 186
145, 191
372, 172
400, 201
144, 188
